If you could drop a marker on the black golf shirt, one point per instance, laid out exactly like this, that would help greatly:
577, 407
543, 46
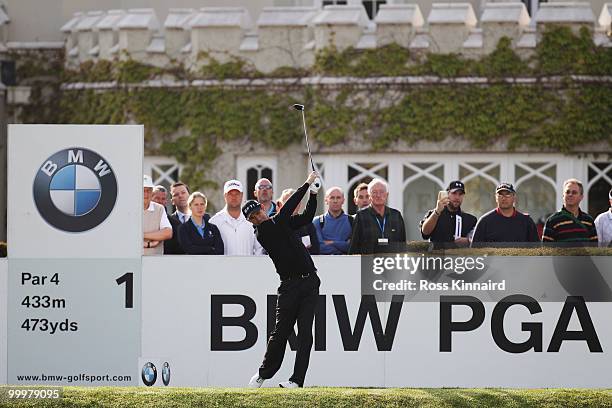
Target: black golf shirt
443, 234
276, 235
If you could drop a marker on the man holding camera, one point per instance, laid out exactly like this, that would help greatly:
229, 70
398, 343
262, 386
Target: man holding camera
446, 226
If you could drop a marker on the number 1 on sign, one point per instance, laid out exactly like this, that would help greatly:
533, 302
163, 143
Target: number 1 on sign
128, 279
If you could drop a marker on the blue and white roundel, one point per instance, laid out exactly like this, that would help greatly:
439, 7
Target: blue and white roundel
149, 374
166, 373
75, 190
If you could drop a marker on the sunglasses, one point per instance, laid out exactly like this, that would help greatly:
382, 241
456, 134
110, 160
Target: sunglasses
264, 187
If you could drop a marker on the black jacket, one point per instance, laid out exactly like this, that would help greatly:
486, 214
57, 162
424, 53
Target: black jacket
277, 236
309, 230
367, 231
443, 234
172, 246
493, 230
194, 244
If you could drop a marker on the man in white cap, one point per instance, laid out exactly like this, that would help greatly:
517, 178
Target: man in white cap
237, 233
155, 225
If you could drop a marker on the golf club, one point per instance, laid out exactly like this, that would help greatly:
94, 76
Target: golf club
299, 107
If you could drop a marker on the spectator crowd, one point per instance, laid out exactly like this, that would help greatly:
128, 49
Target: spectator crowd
374, 228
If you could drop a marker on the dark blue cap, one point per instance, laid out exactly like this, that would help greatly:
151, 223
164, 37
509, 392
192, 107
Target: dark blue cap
455, 185
505, 186
250, 207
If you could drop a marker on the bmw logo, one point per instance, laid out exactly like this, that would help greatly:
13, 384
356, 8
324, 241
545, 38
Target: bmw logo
149, 374
166, 373
75, 190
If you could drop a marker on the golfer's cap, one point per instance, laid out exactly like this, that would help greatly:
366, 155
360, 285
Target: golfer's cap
250, 207
505, 186
456, 186
147, 182
232, 185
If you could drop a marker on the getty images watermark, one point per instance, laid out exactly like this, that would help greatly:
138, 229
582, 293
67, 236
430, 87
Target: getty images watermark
423, 277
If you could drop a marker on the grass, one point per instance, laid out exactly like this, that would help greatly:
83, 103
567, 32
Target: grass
320, 397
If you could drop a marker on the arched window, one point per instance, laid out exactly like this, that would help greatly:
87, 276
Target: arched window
598, 187
422, 181
480, 180
252, 169
535, 187
363, 173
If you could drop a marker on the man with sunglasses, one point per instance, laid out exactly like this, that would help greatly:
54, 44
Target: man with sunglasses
298, 292
504, 225
571, 226
263, 194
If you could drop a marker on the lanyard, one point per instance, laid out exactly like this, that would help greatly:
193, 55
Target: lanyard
458, 226
381, 227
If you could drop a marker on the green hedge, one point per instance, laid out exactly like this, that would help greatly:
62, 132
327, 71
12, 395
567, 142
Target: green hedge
538, 116
533, 116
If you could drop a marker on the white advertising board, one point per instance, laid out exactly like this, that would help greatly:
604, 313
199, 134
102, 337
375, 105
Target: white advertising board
80, 306
73, 322
75, 191
74, 264
3, 317
181, 325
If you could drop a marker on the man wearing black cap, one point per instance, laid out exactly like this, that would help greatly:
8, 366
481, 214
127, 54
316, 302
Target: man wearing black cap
446, 226
504, 224
298, 292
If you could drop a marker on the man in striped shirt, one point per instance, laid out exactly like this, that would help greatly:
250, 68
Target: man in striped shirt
571, 226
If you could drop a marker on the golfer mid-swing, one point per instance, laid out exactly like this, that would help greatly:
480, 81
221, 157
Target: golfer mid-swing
299, 289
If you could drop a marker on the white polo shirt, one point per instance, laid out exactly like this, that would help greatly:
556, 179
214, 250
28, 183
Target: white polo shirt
603, 223
237, 233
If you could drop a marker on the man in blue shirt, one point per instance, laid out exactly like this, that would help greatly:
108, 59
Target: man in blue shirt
334, 228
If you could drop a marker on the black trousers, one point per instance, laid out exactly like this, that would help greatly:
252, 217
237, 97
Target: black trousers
296, 301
